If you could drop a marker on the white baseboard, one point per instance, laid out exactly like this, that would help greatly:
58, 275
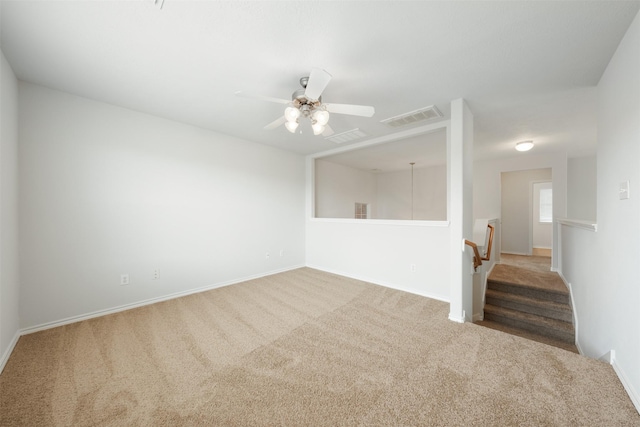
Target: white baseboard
633, 393
385, 284
5, 357
478, 316
124, 307
574, 311
457, 319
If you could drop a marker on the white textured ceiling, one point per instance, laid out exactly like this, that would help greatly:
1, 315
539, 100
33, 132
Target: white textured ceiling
425, 150
527, 69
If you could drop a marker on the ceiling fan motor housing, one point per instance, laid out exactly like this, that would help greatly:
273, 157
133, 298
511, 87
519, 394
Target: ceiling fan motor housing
305, 105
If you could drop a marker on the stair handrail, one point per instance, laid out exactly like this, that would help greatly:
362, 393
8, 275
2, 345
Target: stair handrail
487, 253
477, 260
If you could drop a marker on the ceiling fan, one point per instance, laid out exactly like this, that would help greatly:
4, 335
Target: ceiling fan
307, 103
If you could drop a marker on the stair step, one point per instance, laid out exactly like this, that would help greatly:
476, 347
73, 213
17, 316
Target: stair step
545, 308
528, 335
558, 296
554, 328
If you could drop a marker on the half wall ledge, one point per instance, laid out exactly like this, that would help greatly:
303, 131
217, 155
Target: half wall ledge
577, 223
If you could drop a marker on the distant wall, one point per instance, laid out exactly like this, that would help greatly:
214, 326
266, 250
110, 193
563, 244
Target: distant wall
339, 187
429, 194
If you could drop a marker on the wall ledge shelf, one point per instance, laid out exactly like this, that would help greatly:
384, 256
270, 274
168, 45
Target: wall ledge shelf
412, 223
577, 223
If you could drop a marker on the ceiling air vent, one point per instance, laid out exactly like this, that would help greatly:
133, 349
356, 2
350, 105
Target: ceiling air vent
427, 113
347, 136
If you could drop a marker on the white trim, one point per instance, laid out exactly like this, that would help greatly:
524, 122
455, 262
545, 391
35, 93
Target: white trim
117, 309
628, 385
515, 253
413, 223
457, 319
5, 357
478, 317
379, 283
586, 225
574, 311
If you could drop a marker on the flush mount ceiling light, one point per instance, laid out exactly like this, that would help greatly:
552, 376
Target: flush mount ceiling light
524, 145
307, 103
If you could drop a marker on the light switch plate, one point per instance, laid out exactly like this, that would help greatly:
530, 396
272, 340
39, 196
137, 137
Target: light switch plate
624, 190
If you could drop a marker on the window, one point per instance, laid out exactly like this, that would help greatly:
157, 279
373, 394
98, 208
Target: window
361, 210
546, 205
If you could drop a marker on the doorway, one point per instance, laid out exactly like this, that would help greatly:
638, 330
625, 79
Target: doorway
542, 218
517, 193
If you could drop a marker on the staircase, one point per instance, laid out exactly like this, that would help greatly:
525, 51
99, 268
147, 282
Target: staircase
524, 299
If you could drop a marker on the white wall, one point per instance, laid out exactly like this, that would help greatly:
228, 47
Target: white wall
542, 231
339, 187
383, 253
517, 208
106, 191
486, 185
429, 194
408, 255
581, 188
9, 278
602, 267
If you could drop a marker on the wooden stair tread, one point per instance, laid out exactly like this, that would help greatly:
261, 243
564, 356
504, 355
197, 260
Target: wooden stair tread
532, 319
534, 292
552, 305
516, 276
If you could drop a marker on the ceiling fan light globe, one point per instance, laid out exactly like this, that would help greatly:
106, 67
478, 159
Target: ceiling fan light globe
318, 128
291, 126
291, 114
321, 116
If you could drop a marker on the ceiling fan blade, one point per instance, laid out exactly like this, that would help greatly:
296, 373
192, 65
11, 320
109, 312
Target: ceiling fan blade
318, 81
274, 124
354, 110
262, 98
327, 130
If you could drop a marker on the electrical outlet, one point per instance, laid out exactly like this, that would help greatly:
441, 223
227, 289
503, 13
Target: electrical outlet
412, 267
267, 256
156, 274
124, 279
281, 253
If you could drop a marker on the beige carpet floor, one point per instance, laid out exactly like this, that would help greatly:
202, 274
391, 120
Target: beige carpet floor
301, 348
